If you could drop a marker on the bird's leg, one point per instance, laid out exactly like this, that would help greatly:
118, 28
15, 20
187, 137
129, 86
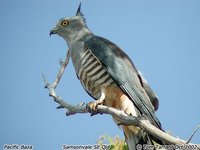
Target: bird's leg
92, 106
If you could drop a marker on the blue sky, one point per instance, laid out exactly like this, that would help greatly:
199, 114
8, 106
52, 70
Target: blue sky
161, 37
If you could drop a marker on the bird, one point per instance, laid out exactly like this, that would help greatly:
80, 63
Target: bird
109, 76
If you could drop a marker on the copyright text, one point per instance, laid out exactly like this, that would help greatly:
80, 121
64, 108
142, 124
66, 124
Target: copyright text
167, 147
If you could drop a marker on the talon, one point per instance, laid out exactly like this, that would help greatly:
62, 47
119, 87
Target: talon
92, 108
127, 111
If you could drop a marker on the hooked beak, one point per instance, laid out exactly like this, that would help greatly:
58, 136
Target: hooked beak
53, 31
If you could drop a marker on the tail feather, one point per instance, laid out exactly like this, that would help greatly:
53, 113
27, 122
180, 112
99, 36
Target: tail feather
137, 138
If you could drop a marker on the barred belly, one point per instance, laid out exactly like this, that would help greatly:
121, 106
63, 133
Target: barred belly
92, 74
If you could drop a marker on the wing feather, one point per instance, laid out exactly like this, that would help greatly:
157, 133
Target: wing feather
123, 71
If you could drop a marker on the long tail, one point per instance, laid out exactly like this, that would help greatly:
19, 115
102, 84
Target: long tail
136, 138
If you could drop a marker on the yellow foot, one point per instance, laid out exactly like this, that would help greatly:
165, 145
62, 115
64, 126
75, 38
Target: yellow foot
92, 107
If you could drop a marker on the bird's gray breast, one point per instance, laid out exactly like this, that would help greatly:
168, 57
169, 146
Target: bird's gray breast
92, 74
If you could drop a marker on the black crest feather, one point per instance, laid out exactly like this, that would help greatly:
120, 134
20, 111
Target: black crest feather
78, 12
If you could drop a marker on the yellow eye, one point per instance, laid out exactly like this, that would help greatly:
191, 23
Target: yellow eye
64, 23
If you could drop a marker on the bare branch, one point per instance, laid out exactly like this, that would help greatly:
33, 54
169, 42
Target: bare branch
63, 104
142, 123
122, 117
61, 71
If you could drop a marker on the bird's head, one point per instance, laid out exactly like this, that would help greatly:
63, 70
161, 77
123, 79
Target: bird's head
71, 28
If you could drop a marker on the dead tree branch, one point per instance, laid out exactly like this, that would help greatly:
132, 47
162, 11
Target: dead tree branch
61, 71
122, 117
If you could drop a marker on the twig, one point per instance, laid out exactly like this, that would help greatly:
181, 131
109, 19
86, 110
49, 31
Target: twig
61, 71
193, 134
